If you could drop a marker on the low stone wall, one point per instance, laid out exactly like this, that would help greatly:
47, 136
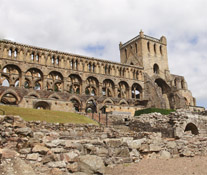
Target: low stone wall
43, 148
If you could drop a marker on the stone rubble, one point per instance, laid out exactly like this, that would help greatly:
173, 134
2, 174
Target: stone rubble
62, 149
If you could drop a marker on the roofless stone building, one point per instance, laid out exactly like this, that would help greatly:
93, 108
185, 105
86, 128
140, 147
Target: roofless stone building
34, 77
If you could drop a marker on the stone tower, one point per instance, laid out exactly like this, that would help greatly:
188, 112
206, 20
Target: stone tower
147, 52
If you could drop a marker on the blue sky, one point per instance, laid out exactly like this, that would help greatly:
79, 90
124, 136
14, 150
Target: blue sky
95, 28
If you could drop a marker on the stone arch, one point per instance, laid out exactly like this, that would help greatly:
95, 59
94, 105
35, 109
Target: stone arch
33, 79
42, 105
33, 94
165, 88
192, 127
165, 91
54, 96
108, 101
10, 97
123, 102
156, 69
136, 91
12, 73
92, 86
108, 88
76, 103
91, 105
75, 84
123, 89
55, 81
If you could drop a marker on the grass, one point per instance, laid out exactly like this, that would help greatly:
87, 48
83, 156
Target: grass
29, 114
151, 110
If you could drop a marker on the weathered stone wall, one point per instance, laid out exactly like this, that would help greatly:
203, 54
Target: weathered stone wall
44, 148
141, 80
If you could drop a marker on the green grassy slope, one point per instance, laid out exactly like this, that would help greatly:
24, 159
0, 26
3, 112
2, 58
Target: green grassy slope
46, 115
151, 110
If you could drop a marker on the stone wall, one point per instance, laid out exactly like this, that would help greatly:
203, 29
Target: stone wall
45, 148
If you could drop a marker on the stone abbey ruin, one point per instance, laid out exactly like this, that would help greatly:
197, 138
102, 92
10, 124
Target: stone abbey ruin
35, 77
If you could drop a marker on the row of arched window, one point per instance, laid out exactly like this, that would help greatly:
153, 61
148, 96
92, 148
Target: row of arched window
54, 81
154, 48
74, 64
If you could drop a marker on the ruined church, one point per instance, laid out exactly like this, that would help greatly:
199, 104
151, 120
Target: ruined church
34, 77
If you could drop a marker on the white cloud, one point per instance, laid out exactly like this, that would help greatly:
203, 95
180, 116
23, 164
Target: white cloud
72, 25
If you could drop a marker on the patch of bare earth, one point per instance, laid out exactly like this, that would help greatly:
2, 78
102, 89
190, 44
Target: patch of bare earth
174, 166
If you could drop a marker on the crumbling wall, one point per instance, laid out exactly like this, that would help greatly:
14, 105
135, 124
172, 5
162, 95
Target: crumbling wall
66, 148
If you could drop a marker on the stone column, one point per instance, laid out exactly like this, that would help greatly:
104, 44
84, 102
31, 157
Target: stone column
22, 79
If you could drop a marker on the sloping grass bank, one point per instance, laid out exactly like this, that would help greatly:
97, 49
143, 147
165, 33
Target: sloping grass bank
151, 110
46, 115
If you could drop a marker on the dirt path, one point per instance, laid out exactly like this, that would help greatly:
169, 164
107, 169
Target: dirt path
175, 166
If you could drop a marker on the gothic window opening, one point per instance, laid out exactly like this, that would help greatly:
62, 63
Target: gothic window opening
76, 104
108, 88
148, 46
57, 61
75, 84
136, 91
5, 82
156, 69
125, 53
136, 47
53, 60
123, 90
16, 84
15, 53
37, 58
10, 53
161, 50
32, 56
155, 48
37, 86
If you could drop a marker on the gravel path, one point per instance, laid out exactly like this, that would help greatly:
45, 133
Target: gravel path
175, 166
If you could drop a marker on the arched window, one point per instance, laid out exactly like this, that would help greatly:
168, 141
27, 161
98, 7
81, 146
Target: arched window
126, 53
89, 67
15, 53
53, 60
57, 61
156, 69
75, 84
76, 104
155, 48
136, 47
5, 82
37, 58
148, 46
182, 84
161, 50
136, 91
32, 57
10, 52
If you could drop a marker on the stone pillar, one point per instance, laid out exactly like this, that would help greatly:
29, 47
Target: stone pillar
116, 91
44, 83
22, 79
100, 89
130, 92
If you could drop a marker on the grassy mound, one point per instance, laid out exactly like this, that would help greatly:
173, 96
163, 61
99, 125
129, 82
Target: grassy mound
151, 110
46, 115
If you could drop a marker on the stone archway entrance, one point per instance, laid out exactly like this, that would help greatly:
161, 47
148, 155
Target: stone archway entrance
42, 105
191, 127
